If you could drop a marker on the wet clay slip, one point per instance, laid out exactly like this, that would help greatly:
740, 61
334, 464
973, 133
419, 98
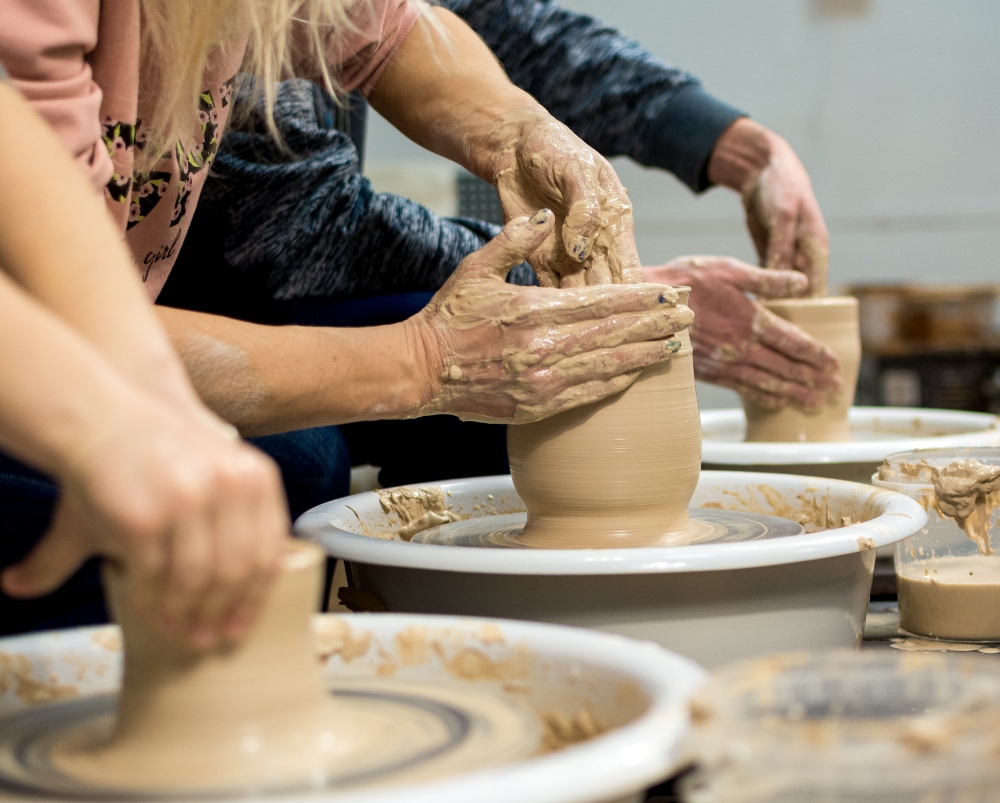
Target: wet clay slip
260, 717
833, 322
618, 473
969, 492
952, 598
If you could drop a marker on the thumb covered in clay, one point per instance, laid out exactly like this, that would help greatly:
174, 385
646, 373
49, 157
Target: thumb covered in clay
496, 352
518, 240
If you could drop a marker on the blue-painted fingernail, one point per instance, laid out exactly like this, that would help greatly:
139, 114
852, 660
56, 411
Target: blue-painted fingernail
673, 345
541, 217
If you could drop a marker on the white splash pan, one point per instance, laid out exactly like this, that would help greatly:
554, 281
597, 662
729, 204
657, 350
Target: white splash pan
615, 767
712, 602
877, 431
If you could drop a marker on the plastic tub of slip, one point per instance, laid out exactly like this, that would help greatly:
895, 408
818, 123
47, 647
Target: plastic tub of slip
948, 584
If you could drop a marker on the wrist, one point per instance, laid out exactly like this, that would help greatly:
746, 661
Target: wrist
496, 128
740, 154
425, 363
372, 373
100, 416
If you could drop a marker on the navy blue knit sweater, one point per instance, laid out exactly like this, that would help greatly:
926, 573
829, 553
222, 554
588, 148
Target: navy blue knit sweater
302, 222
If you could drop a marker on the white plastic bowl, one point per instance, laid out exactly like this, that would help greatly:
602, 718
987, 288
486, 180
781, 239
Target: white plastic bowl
615, 767
712, 602
878, 432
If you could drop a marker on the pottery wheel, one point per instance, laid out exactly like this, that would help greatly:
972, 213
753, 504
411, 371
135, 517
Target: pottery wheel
423, 731
715, 527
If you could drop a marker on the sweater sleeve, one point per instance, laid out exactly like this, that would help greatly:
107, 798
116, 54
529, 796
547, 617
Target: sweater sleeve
303, 217
356, 59
44, 44
609, 89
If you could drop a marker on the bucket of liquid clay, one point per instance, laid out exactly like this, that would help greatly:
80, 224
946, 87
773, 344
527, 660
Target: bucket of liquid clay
948, 574
847, 726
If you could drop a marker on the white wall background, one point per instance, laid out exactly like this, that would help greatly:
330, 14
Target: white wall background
893, 105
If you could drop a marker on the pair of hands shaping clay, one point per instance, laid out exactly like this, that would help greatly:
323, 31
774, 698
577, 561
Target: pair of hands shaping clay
560, 347
581, 348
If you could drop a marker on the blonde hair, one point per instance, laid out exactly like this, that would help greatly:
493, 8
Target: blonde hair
180, 37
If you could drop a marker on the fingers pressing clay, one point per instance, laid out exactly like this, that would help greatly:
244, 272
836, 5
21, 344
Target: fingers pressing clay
785, 221
545, 164
739, 344
768, 283
505, 353
788, 339
516, 241
571, 397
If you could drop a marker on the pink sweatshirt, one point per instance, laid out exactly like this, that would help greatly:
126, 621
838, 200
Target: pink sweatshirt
77, 62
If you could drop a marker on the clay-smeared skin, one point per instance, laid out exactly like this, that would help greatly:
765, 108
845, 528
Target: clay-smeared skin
566, 346
782, 214
969, 492
541, 163
619, 473
833, 322
953, 597
739, 344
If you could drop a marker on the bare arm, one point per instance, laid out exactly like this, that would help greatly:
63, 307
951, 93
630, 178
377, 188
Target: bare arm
80, 268
91, 394
482, 349
447, 92
266, 379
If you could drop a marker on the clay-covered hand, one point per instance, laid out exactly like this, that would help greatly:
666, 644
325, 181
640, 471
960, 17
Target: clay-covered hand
541, 163
740, 345
782, 214
197, 518
503, 353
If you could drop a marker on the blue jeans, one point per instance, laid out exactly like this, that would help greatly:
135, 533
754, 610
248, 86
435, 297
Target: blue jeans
315, 468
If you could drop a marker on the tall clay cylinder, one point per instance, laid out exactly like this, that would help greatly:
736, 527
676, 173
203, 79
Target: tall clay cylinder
617, 473
244, 717
834, 322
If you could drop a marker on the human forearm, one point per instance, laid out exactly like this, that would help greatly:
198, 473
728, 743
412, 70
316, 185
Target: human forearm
58, 392
446, 91
782, 213
267, 379
449, 94
611, 90
78, 268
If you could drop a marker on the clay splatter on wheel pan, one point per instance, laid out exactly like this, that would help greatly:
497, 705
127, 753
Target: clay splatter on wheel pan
456, 732
716, 527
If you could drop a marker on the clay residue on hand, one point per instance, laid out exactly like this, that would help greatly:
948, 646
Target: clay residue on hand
969, 492
16, 674
418, 509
